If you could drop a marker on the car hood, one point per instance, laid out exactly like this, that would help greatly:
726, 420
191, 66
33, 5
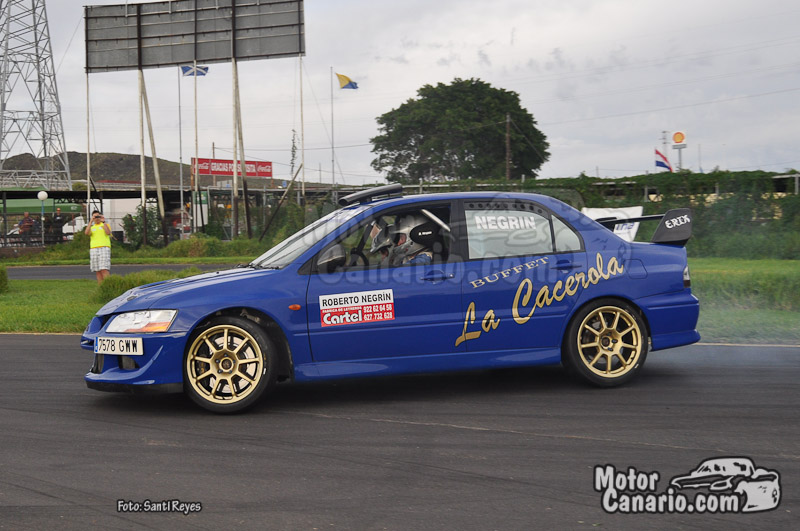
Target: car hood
158, 294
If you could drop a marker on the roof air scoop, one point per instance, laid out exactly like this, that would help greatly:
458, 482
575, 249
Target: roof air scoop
365, 196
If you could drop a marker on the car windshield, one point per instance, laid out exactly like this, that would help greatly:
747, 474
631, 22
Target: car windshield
289, 249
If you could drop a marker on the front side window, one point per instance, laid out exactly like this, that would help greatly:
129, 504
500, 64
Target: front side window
289, 249
418, 236
497, 230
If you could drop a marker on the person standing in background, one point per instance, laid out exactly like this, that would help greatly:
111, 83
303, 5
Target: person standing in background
26, 228
58, 226
100, 246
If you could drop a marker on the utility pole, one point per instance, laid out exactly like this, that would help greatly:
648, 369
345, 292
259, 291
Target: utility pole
333, 166
214, 156
700, 157
180, 151
302, 134
508, 146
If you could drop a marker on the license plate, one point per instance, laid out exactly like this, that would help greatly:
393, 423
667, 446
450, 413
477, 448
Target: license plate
125, 346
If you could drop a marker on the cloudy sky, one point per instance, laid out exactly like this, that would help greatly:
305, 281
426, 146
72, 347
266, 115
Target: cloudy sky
603, 78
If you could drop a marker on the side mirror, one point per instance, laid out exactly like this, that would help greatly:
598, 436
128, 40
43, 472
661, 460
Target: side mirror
331, 258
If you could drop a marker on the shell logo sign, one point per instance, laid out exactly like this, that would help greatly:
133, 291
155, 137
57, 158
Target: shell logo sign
678, 137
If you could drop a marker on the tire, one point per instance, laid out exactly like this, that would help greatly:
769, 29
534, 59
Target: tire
606, 343
229, 365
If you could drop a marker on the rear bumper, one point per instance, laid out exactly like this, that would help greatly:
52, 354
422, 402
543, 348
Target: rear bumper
672, 318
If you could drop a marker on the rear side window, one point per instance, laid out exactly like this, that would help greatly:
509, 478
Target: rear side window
496, 230
566, 238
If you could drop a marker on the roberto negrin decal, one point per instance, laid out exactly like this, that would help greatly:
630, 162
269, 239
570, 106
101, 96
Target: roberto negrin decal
356, 307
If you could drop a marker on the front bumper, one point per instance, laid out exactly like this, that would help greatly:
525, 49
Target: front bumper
135, 389
160, 367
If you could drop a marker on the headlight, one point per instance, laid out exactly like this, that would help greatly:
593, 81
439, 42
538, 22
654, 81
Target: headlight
143, 322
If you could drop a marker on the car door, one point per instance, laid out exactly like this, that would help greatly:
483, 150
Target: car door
380, 309
518, 258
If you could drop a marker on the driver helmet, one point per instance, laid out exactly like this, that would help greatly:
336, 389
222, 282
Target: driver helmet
406, 225
382, 237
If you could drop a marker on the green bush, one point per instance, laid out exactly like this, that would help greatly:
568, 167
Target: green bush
115, 285
200, 245
134, 228
3, 280
247, 247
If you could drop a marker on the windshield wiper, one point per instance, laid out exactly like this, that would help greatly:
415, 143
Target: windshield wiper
259, 266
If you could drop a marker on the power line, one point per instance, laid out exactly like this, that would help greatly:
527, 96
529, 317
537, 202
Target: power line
69, 44
708, 54
768, 164
662, 85
674, 107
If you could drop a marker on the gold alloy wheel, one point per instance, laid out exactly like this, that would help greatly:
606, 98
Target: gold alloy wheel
225, 364
610, 342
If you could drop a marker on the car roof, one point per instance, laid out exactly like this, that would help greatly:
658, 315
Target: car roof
449, 196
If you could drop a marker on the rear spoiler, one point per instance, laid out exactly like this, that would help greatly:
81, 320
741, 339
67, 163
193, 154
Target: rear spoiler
675, 227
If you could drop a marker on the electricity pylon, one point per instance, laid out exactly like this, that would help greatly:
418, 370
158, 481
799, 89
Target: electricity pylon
30, 113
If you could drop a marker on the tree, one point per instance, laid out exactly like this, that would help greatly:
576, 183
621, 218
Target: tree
134, 228
458, 131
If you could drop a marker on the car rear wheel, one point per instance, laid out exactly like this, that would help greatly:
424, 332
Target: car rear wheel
606, 343
229, 365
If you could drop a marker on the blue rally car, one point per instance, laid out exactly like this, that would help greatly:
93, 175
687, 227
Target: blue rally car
391, 285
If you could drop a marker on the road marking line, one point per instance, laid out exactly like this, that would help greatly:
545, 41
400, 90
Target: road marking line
746, 345
498, 429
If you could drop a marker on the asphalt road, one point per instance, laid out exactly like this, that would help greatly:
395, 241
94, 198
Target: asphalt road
508, 449
69, 272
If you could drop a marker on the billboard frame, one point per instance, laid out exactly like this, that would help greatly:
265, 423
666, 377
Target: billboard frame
179, 32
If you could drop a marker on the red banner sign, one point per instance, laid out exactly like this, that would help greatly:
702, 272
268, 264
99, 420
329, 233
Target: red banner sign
224, 168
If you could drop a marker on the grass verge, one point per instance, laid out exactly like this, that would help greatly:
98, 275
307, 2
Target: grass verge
67, 306
199, 249
115, 260
47, 306
756, 327
750, 301
747, 284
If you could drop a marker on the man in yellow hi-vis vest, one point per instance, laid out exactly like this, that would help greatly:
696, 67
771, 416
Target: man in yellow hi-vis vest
100, 247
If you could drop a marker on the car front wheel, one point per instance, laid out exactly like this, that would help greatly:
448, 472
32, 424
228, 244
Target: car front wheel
229, 365
606, 343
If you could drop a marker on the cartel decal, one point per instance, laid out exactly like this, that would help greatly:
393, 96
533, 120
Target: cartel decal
358, 307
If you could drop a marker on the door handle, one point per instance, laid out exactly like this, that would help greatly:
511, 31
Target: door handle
566, 265
433, 276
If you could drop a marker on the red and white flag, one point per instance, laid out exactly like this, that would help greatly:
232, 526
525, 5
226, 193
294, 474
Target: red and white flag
662, 161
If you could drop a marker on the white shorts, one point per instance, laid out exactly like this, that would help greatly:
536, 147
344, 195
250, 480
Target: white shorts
100, 259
